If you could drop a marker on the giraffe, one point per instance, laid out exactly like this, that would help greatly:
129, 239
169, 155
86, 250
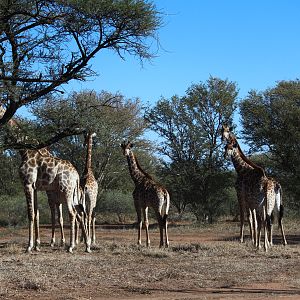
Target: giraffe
261, 194
90, 188
147, 193
46, 173
243, 205
39, 171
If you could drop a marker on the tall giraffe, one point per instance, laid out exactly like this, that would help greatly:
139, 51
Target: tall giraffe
243, 205
147, 193
39, 171
260, 193
90, 188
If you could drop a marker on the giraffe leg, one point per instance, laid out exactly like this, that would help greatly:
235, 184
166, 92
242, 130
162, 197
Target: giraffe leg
81, 216
76, 231
140, 224
61, 224
146, 222
93, 227
89, 220
51, 202
251, 225
280, 216
36, 223
161, 232
161, 228
256, 228
52, 210
83, 225
86, 237
28, 189
165, 221
269, 221
258, 235
80, 226
242, 219
72, 216
266, 220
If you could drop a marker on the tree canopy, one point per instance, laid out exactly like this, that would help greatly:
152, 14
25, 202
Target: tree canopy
45, 44
112, 125
189, 127
271, 123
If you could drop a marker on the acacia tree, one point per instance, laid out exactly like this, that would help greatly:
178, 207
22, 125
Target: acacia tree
271, 125
190, 127
46, 43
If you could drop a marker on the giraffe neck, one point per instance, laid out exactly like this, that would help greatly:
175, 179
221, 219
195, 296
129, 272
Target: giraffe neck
242, 164
24, 154
88, 159
136, 172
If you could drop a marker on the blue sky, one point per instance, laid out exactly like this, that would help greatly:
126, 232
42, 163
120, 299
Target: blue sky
253, 43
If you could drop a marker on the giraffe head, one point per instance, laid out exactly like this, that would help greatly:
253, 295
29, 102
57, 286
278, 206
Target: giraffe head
126, 147
87, 136
230, 147
225, 132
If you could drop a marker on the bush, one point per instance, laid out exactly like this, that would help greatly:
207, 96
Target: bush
117, 203
14, 210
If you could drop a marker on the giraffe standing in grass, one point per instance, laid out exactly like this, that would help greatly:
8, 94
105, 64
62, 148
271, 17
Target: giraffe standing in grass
90, 188
40, 171
261, 194
241, 170
147, 193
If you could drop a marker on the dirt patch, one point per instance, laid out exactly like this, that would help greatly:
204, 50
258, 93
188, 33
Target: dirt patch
201, 263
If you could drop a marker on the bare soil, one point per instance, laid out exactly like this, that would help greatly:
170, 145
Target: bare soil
206, 262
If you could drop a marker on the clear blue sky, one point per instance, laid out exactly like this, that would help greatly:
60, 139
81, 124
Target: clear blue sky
254, 43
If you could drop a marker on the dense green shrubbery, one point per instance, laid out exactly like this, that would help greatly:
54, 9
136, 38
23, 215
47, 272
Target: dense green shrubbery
14, 210
117, 205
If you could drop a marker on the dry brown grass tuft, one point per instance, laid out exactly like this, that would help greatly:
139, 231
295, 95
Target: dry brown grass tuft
203, 262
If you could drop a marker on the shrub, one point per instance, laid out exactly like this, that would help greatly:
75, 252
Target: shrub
117, 203
14, 210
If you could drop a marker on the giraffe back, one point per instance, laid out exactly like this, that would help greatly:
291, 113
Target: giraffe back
47, 172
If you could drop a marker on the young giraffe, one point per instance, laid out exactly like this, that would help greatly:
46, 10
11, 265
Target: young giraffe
260, 193
147, 193
40, 171
90, 188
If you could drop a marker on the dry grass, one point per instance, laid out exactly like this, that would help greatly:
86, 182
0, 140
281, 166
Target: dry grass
201, 263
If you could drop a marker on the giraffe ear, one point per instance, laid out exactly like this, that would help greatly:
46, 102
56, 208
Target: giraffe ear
230, 128
131, 145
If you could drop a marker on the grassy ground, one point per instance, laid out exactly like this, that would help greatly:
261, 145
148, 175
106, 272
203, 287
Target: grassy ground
201, 263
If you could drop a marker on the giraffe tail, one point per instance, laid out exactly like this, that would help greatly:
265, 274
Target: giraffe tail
279, 204
78, 198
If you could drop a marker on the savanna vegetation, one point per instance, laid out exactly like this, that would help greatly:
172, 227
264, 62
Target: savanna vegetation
186, 154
